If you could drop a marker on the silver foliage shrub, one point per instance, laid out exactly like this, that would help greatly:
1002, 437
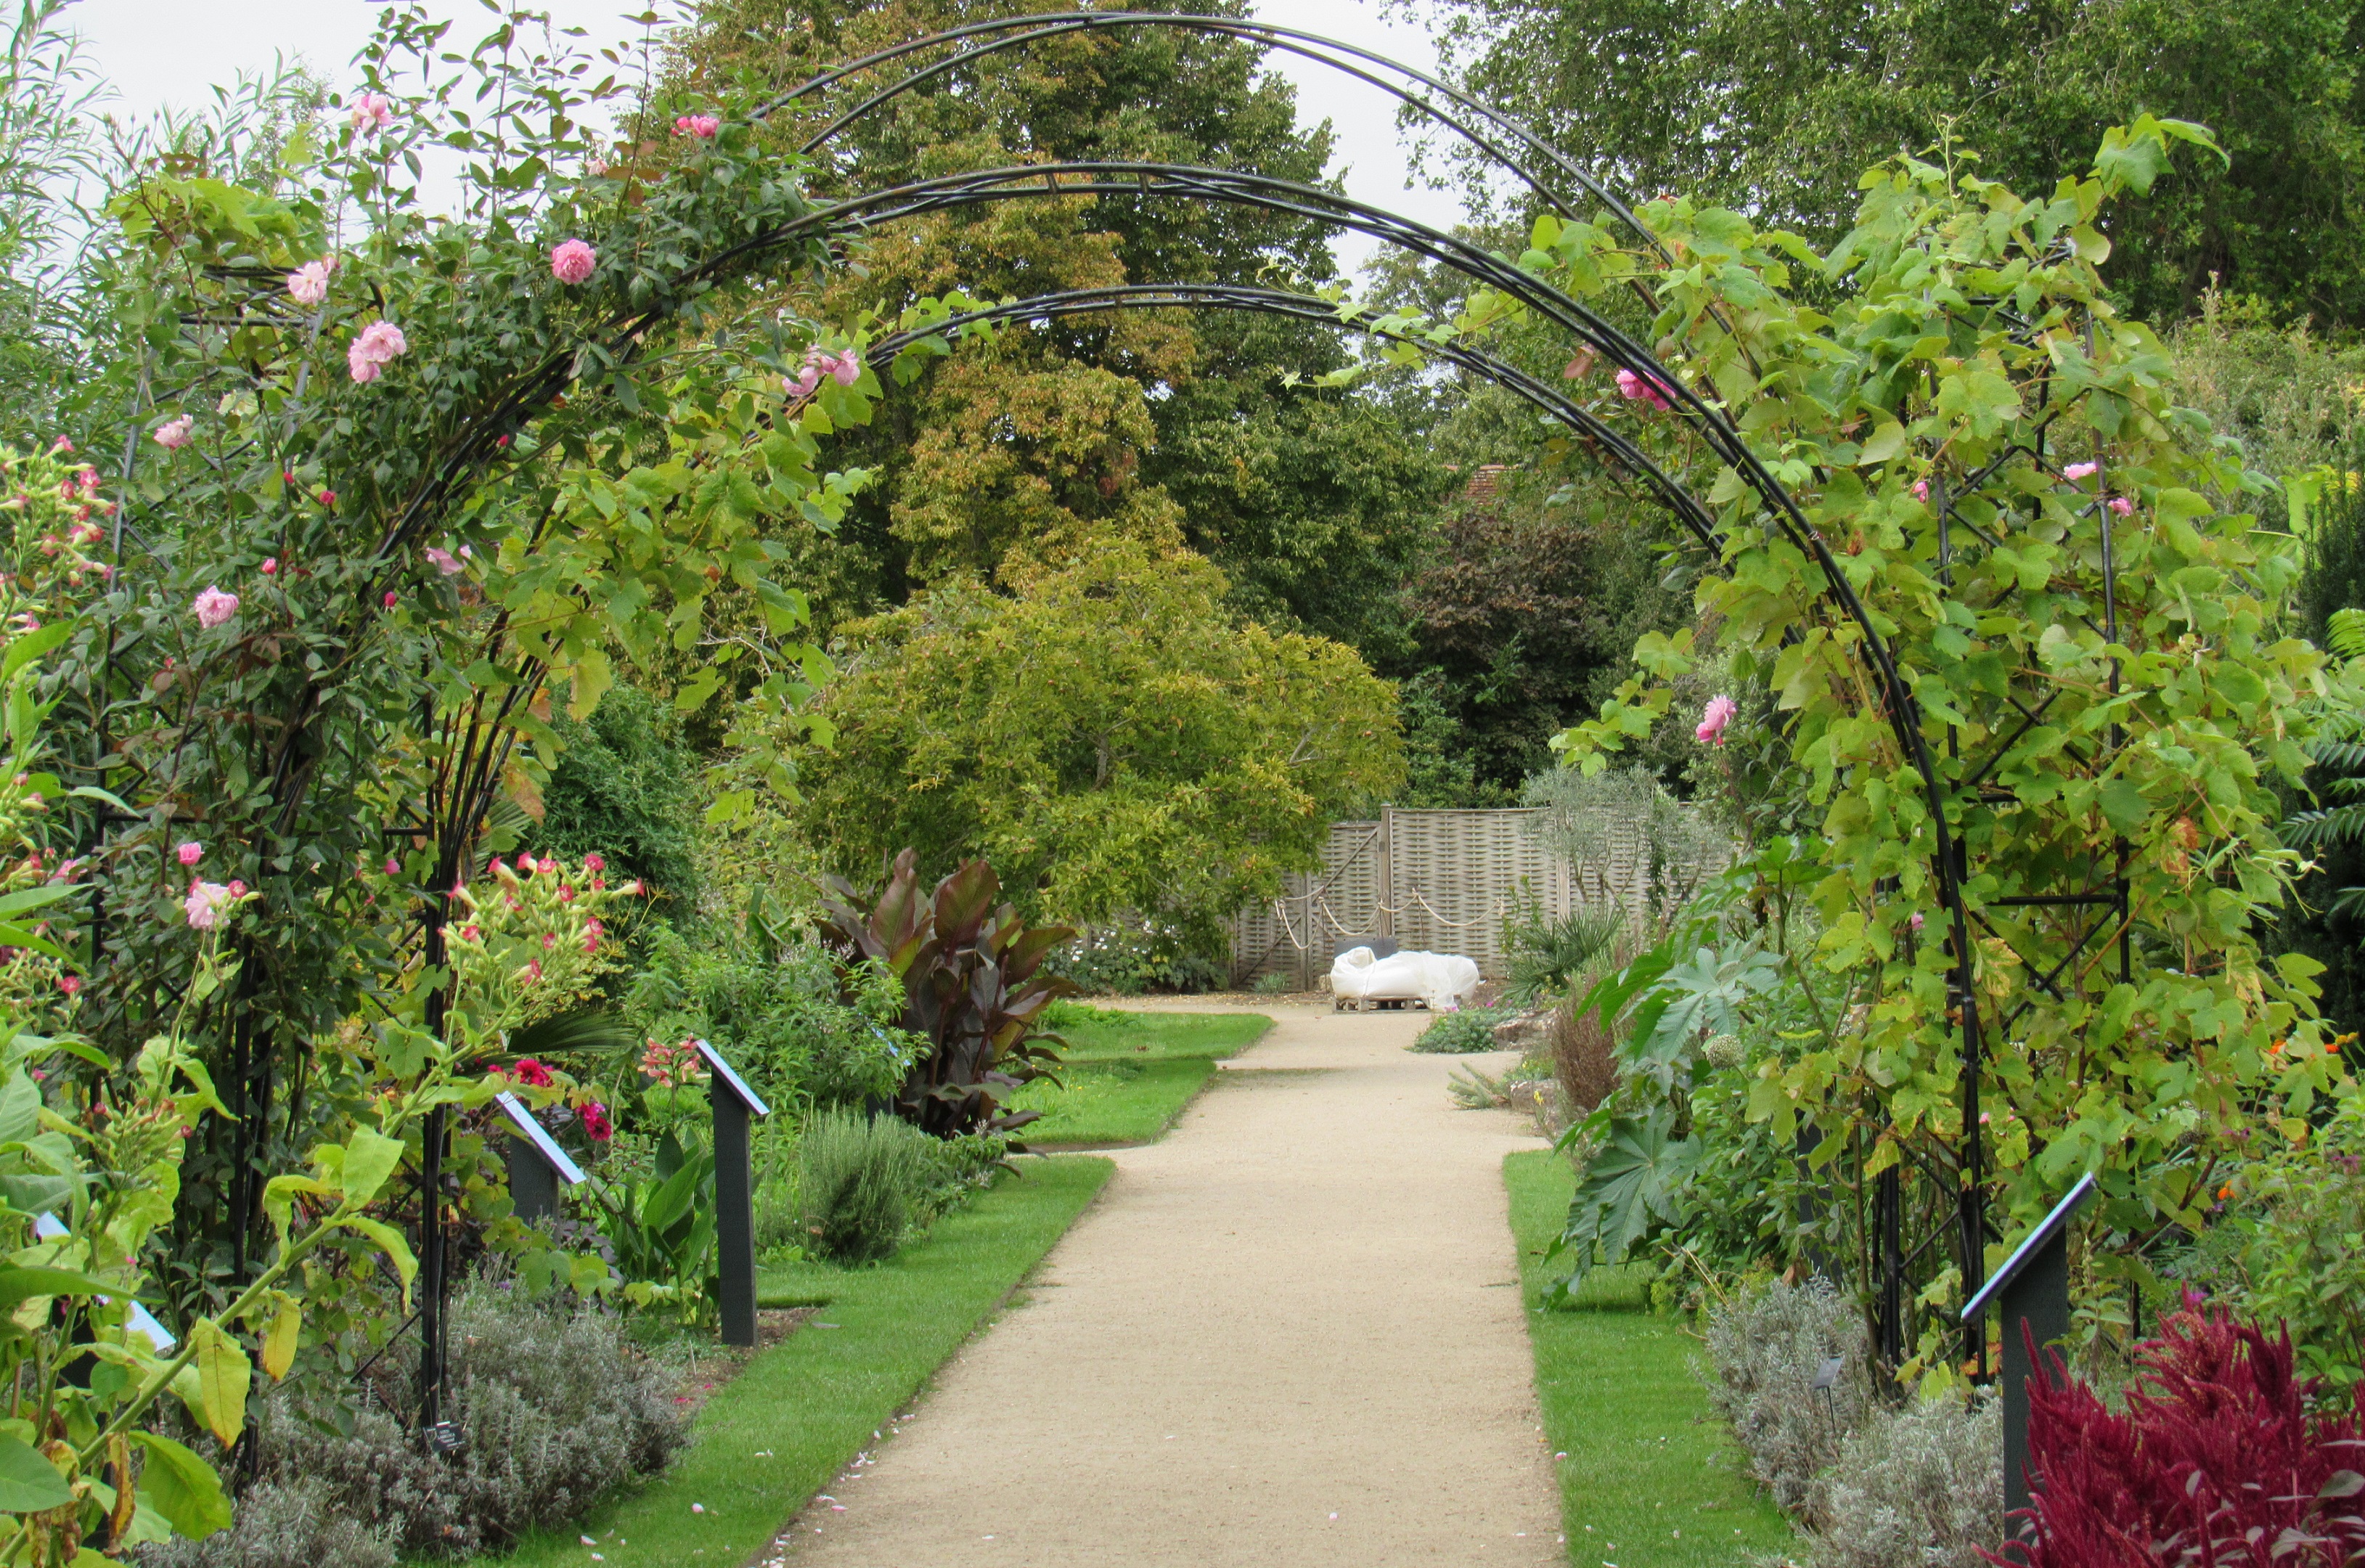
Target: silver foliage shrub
1764, 1353
291, 1522
1921, 1488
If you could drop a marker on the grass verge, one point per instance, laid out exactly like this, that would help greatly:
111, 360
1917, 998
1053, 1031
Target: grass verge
1649, 1480
1126, 1076
783, 1428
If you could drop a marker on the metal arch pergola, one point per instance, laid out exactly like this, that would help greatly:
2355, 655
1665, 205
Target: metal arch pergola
1542, 169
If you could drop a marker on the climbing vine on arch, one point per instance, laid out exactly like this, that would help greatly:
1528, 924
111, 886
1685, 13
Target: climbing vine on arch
2061, 566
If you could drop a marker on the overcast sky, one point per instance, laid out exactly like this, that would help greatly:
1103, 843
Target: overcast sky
171, 51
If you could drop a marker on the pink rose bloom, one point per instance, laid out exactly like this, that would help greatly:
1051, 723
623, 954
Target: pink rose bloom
214, 607
1917, 920
393, 867
1714, 718
271, 565
372, 111
849, 368
443, 561
190, 853
802, 384
204, 904
173, 434
573, 261
376, 343
2121, 505
2077, 471
308, 284
1636, 389
703, 127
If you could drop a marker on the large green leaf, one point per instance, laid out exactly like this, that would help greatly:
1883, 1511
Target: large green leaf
28, 1483
1703, 996
182, 1487
1633, 1185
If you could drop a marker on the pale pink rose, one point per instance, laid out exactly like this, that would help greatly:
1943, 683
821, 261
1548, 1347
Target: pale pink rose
572, 261
204, 904
443, 561
2077, 471
1636, 389
849, 368
1714, 718
703, 127
2121, 505
173, 434
214, 607
804, 383
1917, 920
308, 284
189, 854
372, 111
373, 347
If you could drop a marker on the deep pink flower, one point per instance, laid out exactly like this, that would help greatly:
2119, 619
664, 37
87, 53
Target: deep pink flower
593, 863
596, 1125
271, 565
533, 1073
173, 434
389, 599
572, 261
214, 607
237, 888
2121, 505
189, 854
1714, 718
69, 984
371, 348
1637, 389
2077, 471
204, 904
469, 933
308, 284
532, 973
443, 560
566, 894
328, 497
393, 867
703, 127
372, 111
62, 444
1922, 491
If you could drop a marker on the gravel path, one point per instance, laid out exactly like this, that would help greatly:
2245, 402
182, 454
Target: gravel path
1288, 1334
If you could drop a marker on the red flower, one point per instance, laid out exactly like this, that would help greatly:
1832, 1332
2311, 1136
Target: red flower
533, 1073
593, 863
595, 1122
69, 984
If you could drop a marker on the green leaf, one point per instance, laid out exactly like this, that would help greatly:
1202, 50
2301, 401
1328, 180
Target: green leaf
223, 1376
17, 1285
391, 1242
20, 1107
370, 1159
28, 1483
1630, 1187
2123, 805
182, 1487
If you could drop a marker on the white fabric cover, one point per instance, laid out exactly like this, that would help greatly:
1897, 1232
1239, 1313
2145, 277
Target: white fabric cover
1444, 980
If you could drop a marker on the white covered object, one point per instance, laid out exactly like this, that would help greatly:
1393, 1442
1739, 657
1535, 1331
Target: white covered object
1444, 980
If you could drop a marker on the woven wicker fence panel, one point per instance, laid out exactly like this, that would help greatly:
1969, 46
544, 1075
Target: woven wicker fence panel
1456, 878
1296, 935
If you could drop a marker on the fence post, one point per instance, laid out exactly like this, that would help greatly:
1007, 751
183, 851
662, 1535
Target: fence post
537, 1165
2034, 1286
1383, 874
735, 1196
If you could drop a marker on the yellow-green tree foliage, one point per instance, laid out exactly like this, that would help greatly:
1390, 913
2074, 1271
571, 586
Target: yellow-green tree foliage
1109, 737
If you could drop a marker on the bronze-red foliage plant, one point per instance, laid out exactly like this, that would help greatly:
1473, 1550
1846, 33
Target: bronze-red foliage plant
2221, 1457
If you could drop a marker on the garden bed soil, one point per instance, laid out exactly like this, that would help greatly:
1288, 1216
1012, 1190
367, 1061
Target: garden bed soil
713, 1368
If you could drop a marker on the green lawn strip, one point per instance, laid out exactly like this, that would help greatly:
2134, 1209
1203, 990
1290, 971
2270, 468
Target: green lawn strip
1645, 1460
1107, 1035
780, 1430
1126, 1076
1101, 1103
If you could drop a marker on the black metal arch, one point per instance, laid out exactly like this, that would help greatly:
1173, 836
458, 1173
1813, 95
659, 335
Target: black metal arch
979, 40
1621, 450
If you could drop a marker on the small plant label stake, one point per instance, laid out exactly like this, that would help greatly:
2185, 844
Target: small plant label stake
537, 1165
2034, 1286
735, 1196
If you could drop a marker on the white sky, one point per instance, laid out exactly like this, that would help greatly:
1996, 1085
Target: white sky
171, 51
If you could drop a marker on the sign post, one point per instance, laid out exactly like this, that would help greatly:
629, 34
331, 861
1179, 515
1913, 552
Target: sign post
735, 1195
537, 1165
2034, 1286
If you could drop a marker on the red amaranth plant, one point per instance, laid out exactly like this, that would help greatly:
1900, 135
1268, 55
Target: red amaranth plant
2217, 1461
